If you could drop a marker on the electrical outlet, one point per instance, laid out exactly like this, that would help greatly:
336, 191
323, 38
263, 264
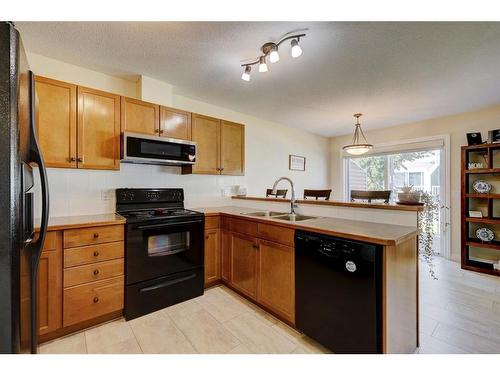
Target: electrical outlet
107, 194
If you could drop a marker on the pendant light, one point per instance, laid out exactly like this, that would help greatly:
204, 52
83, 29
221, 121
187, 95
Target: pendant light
358, 146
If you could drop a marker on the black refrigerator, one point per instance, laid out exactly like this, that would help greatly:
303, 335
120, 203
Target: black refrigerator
20, 246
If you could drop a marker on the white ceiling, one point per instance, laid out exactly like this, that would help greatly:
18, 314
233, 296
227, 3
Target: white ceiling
394, 73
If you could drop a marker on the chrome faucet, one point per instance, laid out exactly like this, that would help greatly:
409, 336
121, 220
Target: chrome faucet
292, 200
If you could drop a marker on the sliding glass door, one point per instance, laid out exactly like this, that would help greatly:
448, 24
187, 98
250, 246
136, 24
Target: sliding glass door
423, 170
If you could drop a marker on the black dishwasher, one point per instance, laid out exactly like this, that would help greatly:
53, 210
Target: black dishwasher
338, 286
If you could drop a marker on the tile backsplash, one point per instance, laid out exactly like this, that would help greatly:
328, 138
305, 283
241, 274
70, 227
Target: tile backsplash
82, 192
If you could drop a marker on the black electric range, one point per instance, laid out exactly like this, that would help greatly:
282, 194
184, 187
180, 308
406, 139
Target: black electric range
164, 249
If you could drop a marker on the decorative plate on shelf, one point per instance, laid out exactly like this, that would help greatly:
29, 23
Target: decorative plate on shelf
481, 186
485, 234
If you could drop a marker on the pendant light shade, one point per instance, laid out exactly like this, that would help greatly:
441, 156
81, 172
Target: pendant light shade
359, 146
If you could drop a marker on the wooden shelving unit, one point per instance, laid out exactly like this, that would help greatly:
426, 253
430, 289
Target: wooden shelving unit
489, 155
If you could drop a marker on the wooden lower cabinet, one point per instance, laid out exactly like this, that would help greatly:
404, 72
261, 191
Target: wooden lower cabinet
212, 256
226, 243
88, 301
260, 269
78, 284
50, 285
276, 275
244, 264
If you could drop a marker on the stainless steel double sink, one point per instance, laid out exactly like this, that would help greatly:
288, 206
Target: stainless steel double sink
279, 215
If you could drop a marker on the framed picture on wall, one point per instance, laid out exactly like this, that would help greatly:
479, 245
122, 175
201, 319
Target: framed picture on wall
296, 163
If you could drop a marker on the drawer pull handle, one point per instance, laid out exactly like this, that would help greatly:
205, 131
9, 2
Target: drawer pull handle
96, 253
96, 299
96, 272
96, 235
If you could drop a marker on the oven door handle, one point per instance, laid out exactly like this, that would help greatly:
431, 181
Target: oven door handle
167, 283
166, 225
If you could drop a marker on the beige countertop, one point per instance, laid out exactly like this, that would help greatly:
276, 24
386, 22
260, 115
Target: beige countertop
82, 221
380, 206
383, 234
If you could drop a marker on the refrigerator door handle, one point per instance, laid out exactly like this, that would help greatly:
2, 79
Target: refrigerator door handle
37, 246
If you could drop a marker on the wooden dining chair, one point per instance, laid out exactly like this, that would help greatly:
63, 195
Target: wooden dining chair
317, 194
368, 195
280, 193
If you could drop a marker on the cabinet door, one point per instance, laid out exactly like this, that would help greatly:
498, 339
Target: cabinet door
244, 251
56, 121
205, 131
212, 255
98, 129
276, 272
50, 286
139, 116
232, 148
175, 123
226, 243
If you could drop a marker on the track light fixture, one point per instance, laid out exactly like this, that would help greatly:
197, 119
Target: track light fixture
271, 49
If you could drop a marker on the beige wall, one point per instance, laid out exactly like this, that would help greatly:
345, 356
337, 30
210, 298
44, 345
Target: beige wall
456, 126
268, 144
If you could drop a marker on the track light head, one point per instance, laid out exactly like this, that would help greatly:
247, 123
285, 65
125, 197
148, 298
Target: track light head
274, 56
262, 64
296, 50
246, 74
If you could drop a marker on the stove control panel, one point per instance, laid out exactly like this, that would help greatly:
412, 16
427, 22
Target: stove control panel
124, 196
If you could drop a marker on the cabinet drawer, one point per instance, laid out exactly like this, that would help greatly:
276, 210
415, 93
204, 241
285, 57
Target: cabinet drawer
93, 235
240, 226
212, 222
91, 300
78, 256
92, 272
276, 233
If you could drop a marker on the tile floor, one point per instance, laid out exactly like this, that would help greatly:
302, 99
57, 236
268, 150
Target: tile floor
460, 313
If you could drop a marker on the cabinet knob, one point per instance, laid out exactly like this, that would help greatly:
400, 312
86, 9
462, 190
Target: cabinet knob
161, 131
80, 160
256, 247
72, 159
96, 272
96, 235
96, 299
206, 237
96, 253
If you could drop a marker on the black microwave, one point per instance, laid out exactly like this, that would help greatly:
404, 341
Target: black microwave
147, 149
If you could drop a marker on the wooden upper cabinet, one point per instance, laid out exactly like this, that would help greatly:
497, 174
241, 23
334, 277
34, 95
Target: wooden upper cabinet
175, 123
276, 275
56, 121
49, 299
232, 148
98, 129
206, 133
244, 252
139, 116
